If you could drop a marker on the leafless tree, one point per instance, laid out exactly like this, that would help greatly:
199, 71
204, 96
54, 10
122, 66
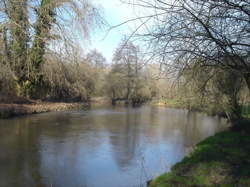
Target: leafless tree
190, 35
181, 31
128, 79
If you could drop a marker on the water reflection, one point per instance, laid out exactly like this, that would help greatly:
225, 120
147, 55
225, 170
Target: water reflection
98, 147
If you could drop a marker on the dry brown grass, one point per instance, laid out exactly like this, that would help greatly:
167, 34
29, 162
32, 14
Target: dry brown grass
11, 110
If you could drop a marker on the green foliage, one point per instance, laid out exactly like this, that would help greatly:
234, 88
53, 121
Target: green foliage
44, 22
18, 44
246, 111
26, 30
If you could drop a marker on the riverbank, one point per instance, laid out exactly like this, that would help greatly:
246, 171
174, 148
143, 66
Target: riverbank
170, 103
220, 160
35, 107
18, 106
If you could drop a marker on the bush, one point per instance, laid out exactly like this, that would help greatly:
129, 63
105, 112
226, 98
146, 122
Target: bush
67, 81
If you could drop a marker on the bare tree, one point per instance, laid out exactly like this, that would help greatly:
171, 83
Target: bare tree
127, 79
182, 31
183, 34
126, 57
99, 68
96, 59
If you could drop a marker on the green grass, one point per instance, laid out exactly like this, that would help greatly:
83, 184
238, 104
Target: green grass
184, 103
220, 160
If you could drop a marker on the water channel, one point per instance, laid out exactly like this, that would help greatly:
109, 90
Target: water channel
98, 147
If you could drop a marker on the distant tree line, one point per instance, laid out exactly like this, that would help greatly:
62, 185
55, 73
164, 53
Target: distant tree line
41, 57
131, 77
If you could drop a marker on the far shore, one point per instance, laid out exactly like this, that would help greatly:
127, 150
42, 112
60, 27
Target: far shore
14, 110
27, 107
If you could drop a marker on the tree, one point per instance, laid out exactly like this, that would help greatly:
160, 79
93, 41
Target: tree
213, 90
216, 32
98, 63
28, 27
126, 63
188, 33
127, 79
17, 13
96, 59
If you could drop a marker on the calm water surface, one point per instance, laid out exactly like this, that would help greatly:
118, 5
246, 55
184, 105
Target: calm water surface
99, 147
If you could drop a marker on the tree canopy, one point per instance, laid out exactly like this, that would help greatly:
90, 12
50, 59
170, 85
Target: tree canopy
27, 29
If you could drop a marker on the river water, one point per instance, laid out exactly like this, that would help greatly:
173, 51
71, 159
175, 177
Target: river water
98, 147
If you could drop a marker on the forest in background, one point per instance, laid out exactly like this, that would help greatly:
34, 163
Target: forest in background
198, 54
38, 61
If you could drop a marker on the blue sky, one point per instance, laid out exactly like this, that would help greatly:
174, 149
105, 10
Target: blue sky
115, 13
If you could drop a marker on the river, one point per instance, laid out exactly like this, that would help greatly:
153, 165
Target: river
98, 147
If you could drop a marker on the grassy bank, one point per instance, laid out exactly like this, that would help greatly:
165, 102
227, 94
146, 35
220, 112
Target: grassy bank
171, 103
220, 160
178, 103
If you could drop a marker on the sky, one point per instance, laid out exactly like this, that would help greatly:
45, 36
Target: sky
115, 13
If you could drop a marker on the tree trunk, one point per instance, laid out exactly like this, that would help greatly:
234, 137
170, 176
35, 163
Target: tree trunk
44, 22
6, 54
18, 15
234, 109
128, 90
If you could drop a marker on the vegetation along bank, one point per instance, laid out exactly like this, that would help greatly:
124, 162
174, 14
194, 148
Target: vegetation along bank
220, 160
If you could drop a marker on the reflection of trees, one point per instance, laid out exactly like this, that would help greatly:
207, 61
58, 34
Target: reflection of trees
198, 126
124, 139
20, 157
150, 122
74, 140
22, 151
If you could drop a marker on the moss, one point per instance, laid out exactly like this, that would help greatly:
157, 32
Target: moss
169, 180
220, 160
